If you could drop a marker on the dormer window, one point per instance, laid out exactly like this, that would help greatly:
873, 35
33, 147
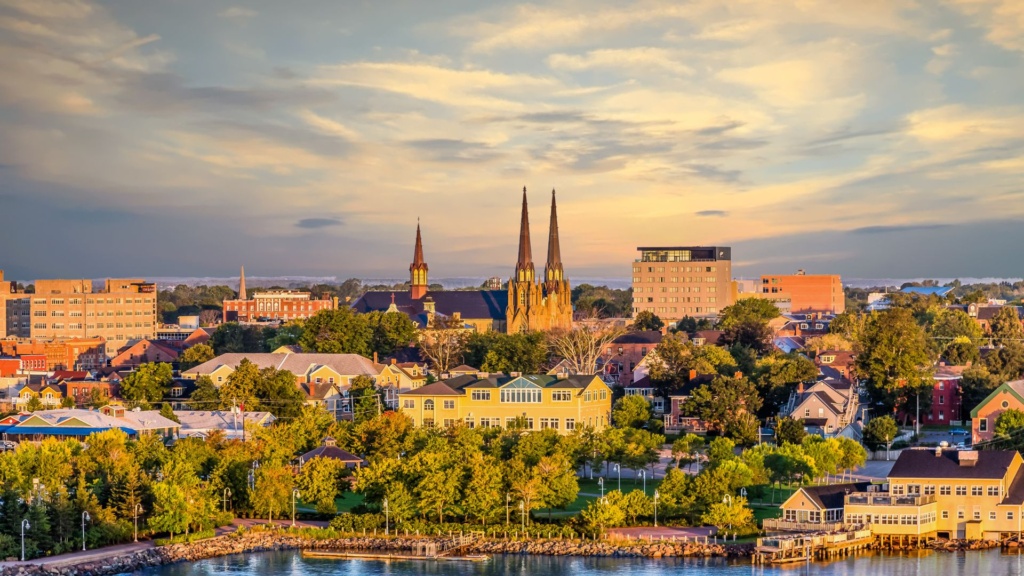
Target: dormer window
804, 326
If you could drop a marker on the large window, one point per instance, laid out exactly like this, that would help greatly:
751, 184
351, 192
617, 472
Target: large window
561, 396
520, 395
480, 395
428, 404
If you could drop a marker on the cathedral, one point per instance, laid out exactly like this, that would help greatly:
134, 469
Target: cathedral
530, 303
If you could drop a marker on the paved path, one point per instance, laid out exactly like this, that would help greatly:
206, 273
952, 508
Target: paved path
662, 532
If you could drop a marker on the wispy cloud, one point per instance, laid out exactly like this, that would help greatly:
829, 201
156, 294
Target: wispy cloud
315, 223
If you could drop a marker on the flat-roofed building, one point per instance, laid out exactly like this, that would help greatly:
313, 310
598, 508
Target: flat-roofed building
276, 305
14, 310
675, 282
801, 293
124, 310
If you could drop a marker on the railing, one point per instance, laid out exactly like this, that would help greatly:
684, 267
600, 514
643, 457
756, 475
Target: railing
780, 525
887, 499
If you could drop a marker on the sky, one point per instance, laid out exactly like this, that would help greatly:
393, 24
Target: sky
189, 137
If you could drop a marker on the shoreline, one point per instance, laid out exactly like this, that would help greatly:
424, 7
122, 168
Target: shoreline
281, 540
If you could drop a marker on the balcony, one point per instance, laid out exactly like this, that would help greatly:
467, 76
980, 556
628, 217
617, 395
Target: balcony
780, 525
887, 499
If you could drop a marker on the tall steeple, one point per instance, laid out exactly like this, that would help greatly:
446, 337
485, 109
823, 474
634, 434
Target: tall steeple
553, 269
418, 269
241, 285
524, 266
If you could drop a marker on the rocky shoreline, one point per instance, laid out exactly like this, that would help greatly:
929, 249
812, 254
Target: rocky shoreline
262, 541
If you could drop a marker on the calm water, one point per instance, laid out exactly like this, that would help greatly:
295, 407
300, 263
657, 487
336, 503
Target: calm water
291, 564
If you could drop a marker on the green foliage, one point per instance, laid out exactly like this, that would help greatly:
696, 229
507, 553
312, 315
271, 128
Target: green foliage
789, 430
147, 385
195, 355
320, 482
755, 310
731, 514
727, 405
287, 334
272, 492
777, 375
647, 320
234, 337
340, 331
880, 431
631, 412
268, 389
167, 411
205, 396
390, 331
496, 352
892, 355
1010, 423
1006, 326
602, 302
600, 515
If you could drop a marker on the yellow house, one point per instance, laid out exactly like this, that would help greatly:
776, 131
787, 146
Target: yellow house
543, 401
946, 494
814, 508
402, 376
49, 395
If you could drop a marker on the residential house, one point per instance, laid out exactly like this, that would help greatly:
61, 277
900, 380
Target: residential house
825, 407
1008, 396
815, 508
946, 396
707, 337
983, 314
621, 356
559, 403
82, 390
941, 493
231, 423
463, 370
144, 352
199, 336
49, 394
676, 419
644, 387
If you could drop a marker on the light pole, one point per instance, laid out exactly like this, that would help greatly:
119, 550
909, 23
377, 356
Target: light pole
643, 474
227, 494
387, 520
592, 464
656, 496
295, 493
136, 512
85, 518
619, 472
508, 499
727, 500
522, 511
24, 525
600, 482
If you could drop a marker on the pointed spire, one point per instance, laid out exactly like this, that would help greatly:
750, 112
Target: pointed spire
418, 269
524, 266
241, 285
553, 269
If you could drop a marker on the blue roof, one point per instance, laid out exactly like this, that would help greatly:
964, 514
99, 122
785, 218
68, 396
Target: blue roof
928, 290
58, 430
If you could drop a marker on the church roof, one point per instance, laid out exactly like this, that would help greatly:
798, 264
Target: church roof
468, 303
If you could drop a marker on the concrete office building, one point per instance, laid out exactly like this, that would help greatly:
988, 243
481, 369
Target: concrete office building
674, 282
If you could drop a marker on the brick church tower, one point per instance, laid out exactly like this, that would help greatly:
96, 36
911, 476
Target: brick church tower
418, 270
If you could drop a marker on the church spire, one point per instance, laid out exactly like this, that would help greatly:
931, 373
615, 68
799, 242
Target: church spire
553, 269
241, 285
418, 269
524, 266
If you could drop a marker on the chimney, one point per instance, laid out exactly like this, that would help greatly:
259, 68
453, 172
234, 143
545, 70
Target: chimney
800, 388
312, 389
938, 451
693, 374
394, 361
374, 357
738, 375
968, 458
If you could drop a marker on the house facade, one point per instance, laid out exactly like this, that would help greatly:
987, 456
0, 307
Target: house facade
1008, 396
815, 508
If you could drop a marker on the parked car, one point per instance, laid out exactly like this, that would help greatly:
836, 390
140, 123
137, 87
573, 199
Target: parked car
960, 432
6, 445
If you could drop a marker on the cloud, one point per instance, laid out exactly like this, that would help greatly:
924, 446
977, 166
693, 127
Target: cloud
315, 223
1002, 19
238, 13
897, 228
712, 213
627, 60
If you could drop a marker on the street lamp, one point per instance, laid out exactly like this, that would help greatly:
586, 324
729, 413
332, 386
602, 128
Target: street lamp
600, 482
522, 510
657, 495
643, 474
387, 521
227, 494
136, 512
295, 493
24, 525
727, 499
85, 518
508, 499
619, 472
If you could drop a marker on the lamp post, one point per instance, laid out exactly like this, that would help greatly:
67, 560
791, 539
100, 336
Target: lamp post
135, 513
643, 474
656, 496
619, 472
295, 494
387, 519
227, 494
85, 518
727, 500
592, 464
24, 525
600, 482
522, 511
508, 500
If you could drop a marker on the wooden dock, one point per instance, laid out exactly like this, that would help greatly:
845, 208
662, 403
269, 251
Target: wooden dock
806, 547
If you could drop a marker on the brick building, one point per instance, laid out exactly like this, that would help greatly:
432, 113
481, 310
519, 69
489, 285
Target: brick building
801, 293
14, 311
273, 305
621, 357
124, 310
673, 282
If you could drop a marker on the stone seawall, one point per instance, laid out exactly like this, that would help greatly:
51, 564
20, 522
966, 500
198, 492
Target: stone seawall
262, 541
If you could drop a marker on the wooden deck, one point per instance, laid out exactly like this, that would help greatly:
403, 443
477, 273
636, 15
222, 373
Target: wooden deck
805, 547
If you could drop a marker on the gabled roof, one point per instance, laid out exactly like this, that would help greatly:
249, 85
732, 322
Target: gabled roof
830, 496
989, 312
639, 337
1015, 388
219, 419
332, 452
298, 364
991, 464
710, 336
468, 303
464, 368
436, 389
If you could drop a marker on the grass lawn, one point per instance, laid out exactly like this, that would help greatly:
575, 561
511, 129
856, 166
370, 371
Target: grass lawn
612, 483
346, 503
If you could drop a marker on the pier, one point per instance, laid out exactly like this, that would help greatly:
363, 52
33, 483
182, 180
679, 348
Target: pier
806, 547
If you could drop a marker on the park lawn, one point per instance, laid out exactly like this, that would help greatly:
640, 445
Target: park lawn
346, 503
612, 483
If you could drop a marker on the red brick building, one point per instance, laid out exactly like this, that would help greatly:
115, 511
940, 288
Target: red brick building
276, 305
9, 366
624, 353
946, 396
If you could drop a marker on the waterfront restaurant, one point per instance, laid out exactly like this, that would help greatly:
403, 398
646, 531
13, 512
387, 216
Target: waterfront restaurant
815, 508
943, 493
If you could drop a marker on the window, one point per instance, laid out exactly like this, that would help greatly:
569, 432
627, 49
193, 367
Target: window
449, 404
408, 403
960, 513
520, 395
993, 490
480, 395
992, 515
942, 399
470, 423
929, 490
976, 490
570, 424
961, 490
945, 514
428, 404
449, 422
561, 396
1009, 515
983, 425
897, 490
977, 513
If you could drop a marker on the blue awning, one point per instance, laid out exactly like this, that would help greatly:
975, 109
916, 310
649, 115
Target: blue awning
59, 431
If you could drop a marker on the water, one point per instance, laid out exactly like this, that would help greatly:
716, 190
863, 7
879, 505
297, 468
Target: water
991, 562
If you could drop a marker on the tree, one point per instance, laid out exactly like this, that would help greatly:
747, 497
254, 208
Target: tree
169, 508
756, 310
599, 515
647, 320
879, 432
635, 504
686, 449
277, 393
195, 356
731, 514
67, 402
631, 412
241, 387
390, 331
444, 342
722, 403
272, 490
339, 331
320, 482
519, 352
287, 334
97, 399
847, 325
234, 337
205, 396
167, 411
828, 342
365, 399
581, 347
670, 364
789, 430
1010, 422
851, 454
776, 375
148, 384
484, 492
560, 487
1006, 326
892, 355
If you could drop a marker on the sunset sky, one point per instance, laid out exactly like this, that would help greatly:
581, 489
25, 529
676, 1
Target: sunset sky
188, 137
